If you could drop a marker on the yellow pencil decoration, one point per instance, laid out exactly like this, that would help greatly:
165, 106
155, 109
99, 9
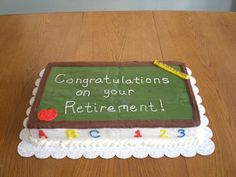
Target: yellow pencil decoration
170, 69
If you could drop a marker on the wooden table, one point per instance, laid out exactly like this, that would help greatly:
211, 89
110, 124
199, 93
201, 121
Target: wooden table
206, 42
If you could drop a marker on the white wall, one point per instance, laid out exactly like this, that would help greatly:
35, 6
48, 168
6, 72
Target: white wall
32, 6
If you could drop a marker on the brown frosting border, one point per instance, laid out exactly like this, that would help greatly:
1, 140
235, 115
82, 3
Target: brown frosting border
33, 122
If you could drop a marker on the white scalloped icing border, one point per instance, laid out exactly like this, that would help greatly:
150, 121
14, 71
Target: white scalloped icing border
207, 146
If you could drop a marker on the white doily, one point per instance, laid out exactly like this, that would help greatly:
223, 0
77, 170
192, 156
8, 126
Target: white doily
205, 146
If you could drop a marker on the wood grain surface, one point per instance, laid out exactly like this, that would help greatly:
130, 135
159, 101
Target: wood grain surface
205, 42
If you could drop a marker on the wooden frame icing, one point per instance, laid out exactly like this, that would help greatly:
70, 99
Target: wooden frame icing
35, 123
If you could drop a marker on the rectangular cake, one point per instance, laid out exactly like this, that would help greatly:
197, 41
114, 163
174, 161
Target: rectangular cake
77, 106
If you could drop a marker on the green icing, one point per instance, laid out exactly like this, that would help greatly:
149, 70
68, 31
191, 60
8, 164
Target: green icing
144, 93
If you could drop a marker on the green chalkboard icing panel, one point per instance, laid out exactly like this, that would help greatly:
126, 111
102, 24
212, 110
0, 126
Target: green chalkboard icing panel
114, 95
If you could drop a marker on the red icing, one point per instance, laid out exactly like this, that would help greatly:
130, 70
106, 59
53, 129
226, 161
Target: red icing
42, 134
137, 134
47, 114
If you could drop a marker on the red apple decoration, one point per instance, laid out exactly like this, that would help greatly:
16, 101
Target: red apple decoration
47, 114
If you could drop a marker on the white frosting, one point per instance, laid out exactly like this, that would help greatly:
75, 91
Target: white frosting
196, 139
120, 137
115, 134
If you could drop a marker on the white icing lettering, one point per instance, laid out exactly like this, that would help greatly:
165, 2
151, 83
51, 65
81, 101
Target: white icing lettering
133, 108
111, 109
69, 104
137, 80
85, 82
82, 93
124, 107
98, 81
116, 81
88, 108
78, 80
156, 80
148, 80
107, 79
79, 109
130, 91
72, 108
91, 80
69, 81
128, 81
162, 107
95, 107
57, 78
151, 106
102, 107
108, 92
113, 92
165, 80
141, 107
